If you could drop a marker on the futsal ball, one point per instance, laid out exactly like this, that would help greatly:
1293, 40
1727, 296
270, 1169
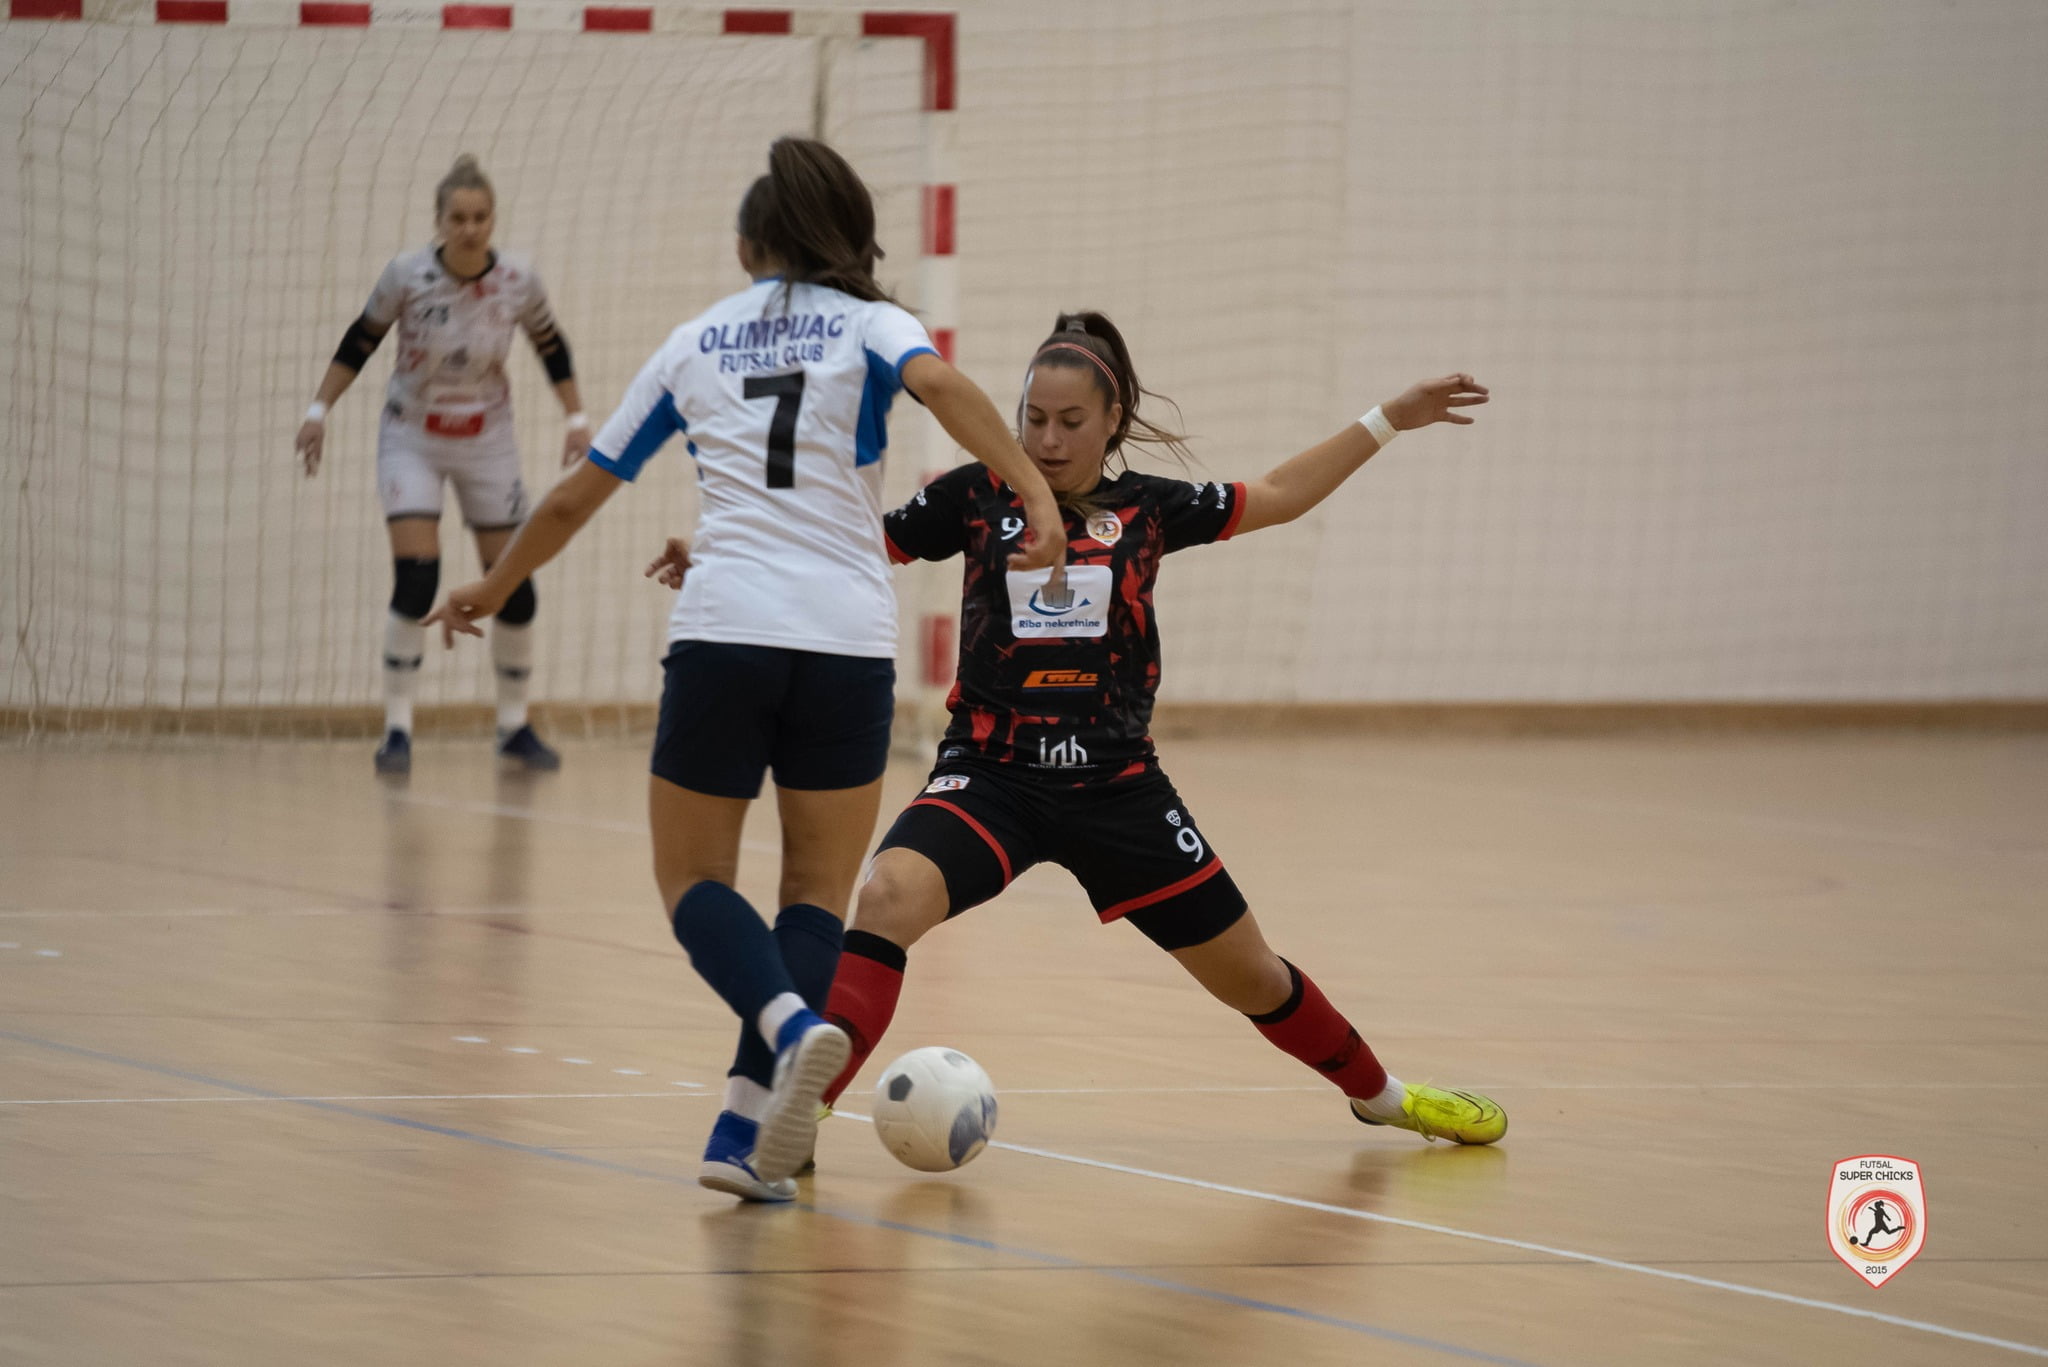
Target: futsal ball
934, 1109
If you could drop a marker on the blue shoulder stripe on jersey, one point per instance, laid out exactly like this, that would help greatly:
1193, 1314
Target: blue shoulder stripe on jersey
871, 433
661, 423
904, 359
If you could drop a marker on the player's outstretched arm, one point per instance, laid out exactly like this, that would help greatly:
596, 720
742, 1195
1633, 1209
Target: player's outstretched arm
1293, 487
560, 515
972, 420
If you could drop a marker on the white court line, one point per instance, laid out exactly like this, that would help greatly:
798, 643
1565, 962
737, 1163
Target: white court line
420, 1096
451, 804
1789, 825
1574, 1087
598, 823
1009, 1091
1496, 1240
190, 913
1057, 1091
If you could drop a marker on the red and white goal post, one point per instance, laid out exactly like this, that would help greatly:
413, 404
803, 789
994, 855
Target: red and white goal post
203, 192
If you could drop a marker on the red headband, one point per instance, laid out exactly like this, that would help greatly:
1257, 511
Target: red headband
1115, 389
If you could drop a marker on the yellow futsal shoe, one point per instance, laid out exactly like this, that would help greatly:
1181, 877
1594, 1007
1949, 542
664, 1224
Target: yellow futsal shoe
1433, 1113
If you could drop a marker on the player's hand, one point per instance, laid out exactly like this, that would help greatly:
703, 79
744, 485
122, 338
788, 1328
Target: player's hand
462, 609
1434, 401
312, 437
575, 445
1044, 541
672, 564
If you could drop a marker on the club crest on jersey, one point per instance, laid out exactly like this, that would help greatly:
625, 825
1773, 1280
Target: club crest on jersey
1106, 528
947, 783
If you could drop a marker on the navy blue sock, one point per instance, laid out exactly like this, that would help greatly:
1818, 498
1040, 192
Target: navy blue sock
809, 938
731, 948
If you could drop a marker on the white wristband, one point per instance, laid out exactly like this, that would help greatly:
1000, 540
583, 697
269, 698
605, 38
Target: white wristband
316, 412
1376, 423
577, 422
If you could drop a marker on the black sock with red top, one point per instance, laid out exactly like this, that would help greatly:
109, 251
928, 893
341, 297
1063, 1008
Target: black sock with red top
1312, 1030
863, 998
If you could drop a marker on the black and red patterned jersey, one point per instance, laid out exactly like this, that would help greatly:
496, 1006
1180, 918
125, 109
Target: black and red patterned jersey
1055, 683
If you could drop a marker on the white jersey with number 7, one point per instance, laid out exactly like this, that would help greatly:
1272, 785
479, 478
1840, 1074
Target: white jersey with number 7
782, 397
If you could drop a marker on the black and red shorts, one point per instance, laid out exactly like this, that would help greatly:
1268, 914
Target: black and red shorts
1130, 841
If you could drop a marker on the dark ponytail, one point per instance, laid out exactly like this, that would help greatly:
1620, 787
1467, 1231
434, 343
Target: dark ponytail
1091, 344
812, 213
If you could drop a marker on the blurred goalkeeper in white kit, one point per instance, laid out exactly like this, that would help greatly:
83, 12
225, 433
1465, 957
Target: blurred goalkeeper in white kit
448, 419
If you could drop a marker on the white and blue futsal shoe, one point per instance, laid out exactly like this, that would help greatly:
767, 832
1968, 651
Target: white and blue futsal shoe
810, 1051
729, 1163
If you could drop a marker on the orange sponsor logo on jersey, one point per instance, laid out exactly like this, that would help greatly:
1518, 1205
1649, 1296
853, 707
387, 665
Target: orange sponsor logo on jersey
1061, 678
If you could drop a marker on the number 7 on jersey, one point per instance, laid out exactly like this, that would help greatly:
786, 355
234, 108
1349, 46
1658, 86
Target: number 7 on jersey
788, 393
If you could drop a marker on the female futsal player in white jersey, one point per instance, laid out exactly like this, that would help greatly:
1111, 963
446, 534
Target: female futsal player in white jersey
448, 418
782, 642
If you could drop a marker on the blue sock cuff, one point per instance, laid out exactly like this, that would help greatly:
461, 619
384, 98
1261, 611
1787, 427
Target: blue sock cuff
812, 920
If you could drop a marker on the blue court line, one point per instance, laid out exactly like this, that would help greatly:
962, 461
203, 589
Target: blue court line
850, 1217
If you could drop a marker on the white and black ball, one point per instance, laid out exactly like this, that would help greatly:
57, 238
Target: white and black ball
934, 1109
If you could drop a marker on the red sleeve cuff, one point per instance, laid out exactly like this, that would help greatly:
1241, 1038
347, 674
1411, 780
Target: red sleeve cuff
896, 555
1236, 514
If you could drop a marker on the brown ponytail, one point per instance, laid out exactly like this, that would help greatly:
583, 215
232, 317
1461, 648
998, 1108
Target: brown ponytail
812, 213
1091, 344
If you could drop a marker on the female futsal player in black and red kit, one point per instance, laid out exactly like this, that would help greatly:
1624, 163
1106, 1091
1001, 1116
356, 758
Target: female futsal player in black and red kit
1048, 756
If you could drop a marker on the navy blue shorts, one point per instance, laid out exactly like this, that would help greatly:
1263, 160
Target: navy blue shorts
1130, 841
731, 712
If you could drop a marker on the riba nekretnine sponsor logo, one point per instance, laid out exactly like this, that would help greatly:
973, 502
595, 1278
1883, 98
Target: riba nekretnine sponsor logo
1877, 1214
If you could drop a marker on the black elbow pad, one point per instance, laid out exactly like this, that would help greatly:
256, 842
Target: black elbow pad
358, 344
554, 354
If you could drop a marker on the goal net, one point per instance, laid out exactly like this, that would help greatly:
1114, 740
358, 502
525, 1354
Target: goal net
194, 214
1757, 288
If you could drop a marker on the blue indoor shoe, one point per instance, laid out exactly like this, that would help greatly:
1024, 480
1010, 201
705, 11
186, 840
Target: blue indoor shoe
525, 748
394, 756
729, 1163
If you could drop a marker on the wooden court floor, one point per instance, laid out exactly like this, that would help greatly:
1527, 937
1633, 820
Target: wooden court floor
300, 1068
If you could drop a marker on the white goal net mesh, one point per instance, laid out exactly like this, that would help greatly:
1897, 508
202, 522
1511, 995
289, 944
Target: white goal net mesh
194, 215
1758, 288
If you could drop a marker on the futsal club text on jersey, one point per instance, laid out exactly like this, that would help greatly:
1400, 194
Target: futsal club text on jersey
771, 343
787, 389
